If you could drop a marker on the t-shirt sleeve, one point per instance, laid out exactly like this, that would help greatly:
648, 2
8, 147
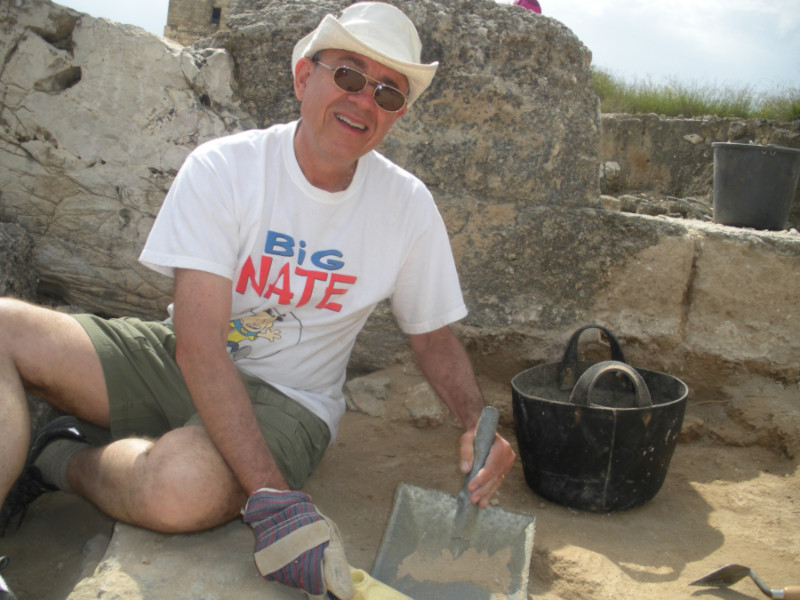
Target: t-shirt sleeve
196, 227
428, 293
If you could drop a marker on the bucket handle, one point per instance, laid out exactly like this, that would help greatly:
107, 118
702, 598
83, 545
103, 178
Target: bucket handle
568, 369
583, 389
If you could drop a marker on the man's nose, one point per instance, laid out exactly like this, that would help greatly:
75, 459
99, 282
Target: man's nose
365, 96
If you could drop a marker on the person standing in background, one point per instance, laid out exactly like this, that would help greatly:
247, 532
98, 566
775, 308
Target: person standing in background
529, 4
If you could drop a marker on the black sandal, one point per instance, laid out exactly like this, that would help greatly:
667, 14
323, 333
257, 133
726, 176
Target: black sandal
29, 486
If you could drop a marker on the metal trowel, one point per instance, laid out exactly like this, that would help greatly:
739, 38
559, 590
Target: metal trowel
730, 574
436, 547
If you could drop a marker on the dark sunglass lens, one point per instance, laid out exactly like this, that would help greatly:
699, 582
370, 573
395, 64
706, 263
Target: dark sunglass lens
349, 80
389, 99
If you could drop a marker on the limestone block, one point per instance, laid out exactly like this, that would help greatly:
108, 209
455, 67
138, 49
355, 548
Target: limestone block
424, 406
368, 395
693, 299
744, 297
88, 186
140, 564
646, 296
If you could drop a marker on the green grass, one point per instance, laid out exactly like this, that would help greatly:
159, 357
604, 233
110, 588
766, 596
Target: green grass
678, 99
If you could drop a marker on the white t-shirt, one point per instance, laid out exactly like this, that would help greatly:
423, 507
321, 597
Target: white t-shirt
307, 266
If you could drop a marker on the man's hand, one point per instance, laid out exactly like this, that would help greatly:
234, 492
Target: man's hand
490, 477
296, 544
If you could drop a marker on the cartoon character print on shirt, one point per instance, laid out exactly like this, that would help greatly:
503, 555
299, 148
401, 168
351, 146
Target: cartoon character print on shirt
259, 335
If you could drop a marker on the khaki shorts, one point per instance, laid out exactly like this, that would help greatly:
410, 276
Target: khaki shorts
148, 396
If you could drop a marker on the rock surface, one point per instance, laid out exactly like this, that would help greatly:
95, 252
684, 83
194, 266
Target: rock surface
18, 275
137, 561
96, 120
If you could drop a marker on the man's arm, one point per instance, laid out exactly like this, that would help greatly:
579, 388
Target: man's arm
202, 315
446, 366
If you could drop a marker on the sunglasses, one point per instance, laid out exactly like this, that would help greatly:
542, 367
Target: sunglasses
353, 81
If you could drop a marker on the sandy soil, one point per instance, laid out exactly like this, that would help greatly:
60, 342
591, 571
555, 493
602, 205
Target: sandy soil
732, 495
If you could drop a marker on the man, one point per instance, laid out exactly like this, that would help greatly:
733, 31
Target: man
281, 242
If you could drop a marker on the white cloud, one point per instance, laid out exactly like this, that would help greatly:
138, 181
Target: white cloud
731, 42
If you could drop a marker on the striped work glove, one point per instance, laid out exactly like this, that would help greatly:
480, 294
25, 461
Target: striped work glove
297, 545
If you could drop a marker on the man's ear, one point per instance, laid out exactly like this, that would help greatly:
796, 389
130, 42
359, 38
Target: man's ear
302, 71
400, 112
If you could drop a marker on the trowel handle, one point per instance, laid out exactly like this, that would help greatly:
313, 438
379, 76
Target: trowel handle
484, 439
790, 592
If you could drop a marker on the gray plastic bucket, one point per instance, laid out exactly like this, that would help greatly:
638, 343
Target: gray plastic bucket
754, 185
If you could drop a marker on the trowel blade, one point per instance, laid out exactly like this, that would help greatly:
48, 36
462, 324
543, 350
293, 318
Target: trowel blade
415, 554
463, 524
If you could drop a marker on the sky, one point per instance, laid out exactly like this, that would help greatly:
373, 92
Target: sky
738, 44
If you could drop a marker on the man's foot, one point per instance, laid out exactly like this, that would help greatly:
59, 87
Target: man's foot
31, 484
52, 450
24, 491
5, 593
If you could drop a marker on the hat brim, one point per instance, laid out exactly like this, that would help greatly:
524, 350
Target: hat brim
332, 35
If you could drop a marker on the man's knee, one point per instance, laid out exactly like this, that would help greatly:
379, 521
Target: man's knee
173, 509
55, 359
188, 486
12, 311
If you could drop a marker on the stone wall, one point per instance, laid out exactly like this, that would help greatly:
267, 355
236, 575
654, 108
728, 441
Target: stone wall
191, 20
662, 157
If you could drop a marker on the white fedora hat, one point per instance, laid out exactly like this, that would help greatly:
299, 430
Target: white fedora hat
378, 31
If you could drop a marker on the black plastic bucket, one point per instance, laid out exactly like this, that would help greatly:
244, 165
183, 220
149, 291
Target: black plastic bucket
754, 185
596, 436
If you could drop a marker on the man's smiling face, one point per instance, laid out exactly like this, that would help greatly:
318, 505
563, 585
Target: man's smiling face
339, 127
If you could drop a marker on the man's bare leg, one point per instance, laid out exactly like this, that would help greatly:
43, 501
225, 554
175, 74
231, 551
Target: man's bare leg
14, 426
178, 483
49, 353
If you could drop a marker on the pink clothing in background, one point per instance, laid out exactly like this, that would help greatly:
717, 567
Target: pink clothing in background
529, 4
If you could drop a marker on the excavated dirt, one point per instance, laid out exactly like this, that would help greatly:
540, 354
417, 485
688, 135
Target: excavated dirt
732, 495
